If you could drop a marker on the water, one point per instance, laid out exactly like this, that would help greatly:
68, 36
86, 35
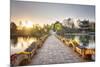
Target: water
88, 41
19, 44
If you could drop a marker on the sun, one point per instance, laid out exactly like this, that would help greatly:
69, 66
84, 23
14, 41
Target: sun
28, 24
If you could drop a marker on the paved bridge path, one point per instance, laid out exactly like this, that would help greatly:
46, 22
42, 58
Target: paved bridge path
54, 51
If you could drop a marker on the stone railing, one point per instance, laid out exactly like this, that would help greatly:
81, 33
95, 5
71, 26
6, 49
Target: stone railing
26, 56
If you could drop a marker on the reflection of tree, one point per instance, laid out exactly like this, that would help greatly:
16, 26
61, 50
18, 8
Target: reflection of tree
70, 36
92, 38
85, 39
14, 41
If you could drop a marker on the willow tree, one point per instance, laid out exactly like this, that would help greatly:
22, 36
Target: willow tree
57, 26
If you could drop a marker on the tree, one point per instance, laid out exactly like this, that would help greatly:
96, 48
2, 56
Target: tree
69, 23
57, 26
13, 28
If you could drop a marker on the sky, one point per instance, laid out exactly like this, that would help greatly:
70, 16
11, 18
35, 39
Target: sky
47, 13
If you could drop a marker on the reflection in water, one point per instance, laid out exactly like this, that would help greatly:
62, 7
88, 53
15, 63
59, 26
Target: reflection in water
88, 41
85, 40
19, 44
14, 41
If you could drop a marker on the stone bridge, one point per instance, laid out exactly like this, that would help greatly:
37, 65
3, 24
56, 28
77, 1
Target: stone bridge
54, 51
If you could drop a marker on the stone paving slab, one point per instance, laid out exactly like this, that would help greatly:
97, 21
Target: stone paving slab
54, 52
